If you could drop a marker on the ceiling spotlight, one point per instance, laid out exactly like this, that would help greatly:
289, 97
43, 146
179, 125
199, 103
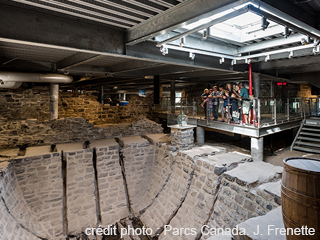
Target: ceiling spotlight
303, 41
316, 42
192, 55
264, 23
183, 41
308, 39
206, 33
287, 32
164, 50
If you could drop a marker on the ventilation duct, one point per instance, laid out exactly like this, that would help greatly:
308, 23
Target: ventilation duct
14, 80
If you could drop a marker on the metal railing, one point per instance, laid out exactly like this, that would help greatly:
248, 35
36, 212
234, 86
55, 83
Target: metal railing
252, 112
258, 112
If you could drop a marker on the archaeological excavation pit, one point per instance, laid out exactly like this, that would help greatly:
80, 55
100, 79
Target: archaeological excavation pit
159, 120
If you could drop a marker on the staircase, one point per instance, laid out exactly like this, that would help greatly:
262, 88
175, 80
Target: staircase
308, 137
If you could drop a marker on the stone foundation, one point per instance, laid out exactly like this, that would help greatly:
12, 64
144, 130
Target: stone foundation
133, 179
182, 137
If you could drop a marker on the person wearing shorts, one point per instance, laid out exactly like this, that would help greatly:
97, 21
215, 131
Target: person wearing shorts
244, 93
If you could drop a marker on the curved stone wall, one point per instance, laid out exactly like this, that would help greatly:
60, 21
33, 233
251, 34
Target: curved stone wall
56, 195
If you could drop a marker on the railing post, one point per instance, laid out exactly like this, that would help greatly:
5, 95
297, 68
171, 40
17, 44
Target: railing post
288, 109
275, 110
259, 113
254, 112
228, 111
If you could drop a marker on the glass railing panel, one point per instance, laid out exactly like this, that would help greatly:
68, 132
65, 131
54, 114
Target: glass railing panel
175, 111
295, 108
267, 111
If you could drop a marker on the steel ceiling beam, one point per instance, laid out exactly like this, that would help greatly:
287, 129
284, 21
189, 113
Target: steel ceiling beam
293, 63
76, 60
200, 44
176, 17
40, 28
204, 26
271, 43
289, 8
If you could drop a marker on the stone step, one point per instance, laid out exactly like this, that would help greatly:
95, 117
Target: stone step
266, 225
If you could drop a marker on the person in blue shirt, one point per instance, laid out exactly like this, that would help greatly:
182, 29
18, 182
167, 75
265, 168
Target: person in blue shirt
244, 93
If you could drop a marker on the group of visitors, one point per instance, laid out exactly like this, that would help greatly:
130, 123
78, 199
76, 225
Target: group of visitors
227, 101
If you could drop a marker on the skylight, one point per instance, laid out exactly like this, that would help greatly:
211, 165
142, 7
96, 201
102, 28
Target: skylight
243, 28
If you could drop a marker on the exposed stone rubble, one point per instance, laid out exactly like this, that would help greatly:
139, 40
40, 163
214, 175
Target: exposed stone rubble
35, 133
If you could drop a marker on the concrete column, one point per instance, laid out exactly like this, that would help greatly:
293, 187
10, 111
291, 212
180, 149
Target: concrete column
256, 84
200, 135
156, 89
237, 136
54, 100
257, 149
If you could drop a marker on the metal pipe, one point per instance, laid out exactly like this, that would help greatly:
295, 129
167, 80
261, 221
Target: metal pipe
15, 79
12, 85
54, 100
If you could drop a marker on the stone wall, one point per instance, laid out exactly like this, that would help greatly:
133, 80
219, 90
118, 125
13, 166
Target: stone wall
113, 202
14, 204
137, 155
202, 186
240, 198
161, 171
80, 191
168, 202
35, 133
88, 107
22, 104
40, 179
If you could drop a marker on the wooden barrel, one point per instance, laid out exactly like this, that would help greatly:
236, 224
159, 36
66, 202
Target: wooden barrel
300, 196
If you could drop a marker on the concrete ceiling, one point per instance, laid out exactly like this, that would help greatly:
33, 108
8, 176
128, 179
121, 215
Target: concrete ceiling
113, 42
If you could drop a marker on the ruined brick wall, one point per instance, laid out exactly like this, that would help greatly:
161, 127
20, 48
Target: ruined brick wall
22, 104
35, 133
